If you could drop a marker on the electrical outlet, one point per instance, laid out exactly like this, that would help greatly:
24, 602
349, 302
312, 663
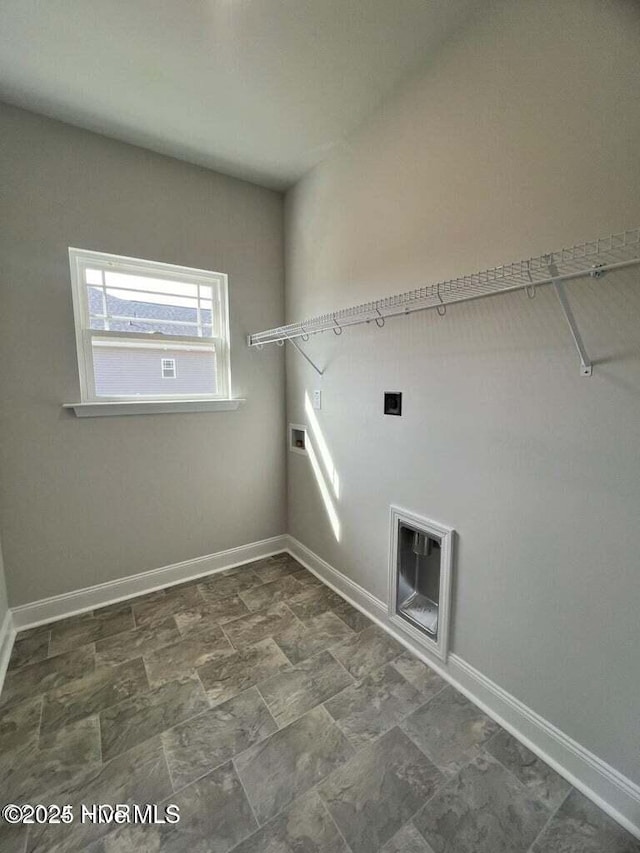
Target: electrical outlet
317, 399
393, 403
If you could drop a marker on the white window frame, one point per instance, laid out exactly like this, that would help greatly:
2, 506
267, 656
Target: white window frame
168, 364
82, 259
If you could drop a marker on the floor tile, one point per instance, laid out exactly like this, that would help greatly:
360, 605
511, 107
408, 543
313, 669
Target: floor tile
86, 628
353, 617
542, 782
201, 616
13, 838
212, 738
449, 729
305, 827
579, 826
134, 644
272, 568
489, 793
423, 678
19, 723
28, 650
221, 586
382, 786
153, 613
99, 689
291, 761
317, 634
298, 688
229, 676
259, 597
234, 570
197, 649
36, 768
137, 599
313, 600
373, 705
407, 840
370, 649
306, 577
483, 810
249, 630
37, 630
214, 817
141, 717
137, 776
46, 674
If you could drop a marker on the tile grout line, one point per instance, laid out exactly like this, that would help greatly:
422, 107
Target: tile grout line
331, 818
547, 823
169, 728
266, 705
247, 798
438, 790
39, 735
319, 704
174, 791
427, 754
99, 723
206, 695
344, 622
230, 760
228, 638
313, 789
282, 652
510, 772
354, 680
98, 711
4, 705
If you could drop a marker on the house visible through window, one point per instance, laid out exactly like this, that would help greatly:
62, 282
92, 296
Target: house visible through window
131, 314
168, 368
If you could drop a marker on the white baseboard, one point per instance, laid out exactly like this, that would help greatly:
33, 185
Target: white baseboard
81, 600
7, 636
614, 793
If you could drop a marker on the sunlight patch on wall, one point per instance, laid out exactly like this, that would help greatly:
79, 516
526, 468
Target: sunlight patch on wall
323, 449
324, 491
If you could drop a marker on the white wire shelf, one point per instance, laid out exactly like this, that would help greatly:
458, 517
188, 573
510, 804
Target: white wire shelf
592, 258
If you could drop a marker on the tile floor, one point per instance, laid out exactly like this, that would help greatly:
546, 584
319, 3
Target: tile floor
280, 720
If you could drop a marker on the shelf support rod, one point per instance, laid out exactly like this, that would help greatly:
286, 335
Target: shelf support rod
304, 355
558, 286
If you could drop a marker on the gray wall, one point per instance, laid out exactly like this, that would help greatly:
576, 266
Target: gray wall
86, 501
523, 135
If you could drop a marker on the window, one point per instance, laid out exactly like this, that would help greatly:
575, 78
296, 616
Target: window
131, 313
168, 368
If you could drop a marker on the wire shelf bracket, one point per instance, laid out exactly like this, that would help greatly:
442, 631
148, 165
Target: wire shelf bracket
593, 258
585, 362
295, 343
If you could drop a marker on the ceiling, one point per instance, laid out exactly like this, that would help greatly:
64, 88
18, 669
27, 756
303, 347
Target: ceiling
260, 89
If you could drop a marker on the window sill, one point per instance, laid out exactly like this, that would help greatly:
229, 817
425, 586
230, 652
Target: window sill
112, 408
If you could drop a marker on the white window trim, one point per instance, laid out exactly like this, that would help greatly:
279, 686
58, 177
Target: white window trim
92, 405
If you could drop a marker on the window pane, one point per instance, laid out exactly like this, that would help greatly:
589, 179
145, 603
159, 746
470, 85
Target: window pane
93, 276
123, 370
159, 286
143, 304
